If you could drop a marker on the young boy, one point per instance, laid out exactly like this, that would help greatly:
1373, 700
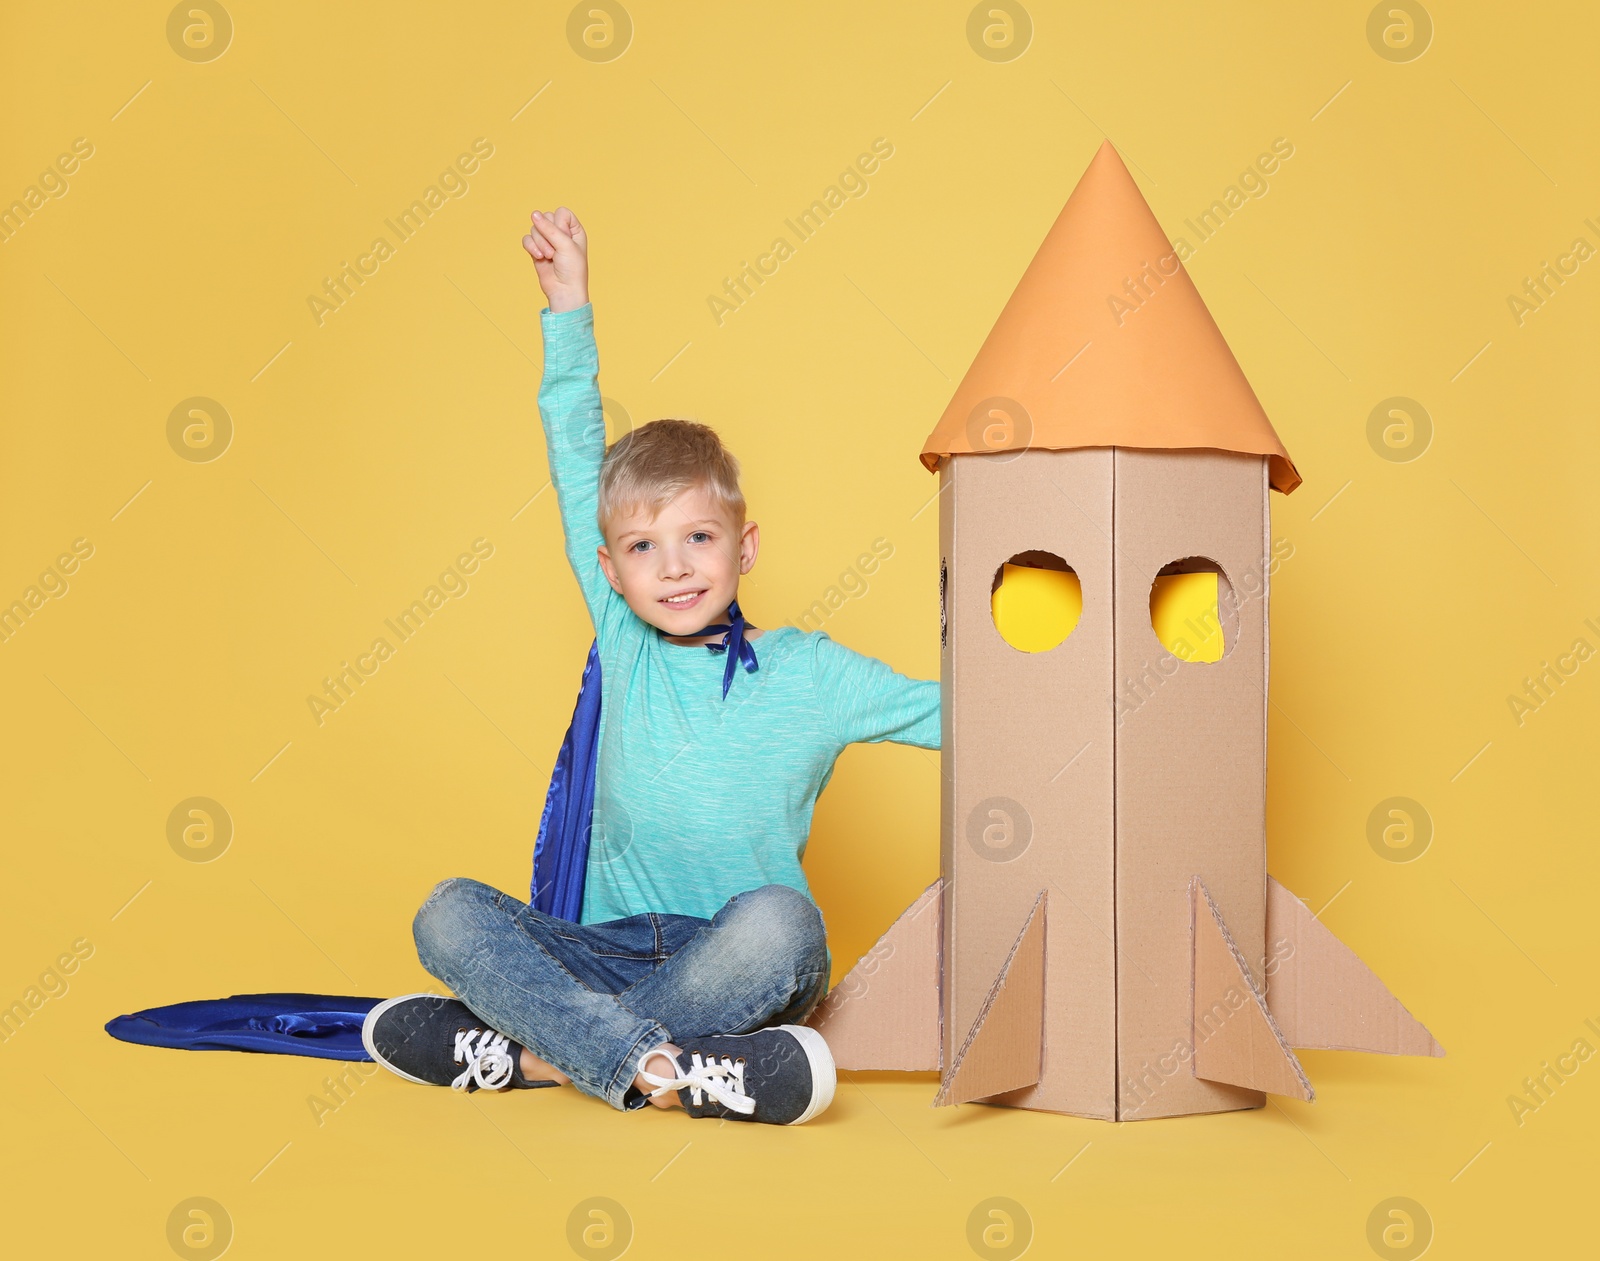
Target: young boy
699, 949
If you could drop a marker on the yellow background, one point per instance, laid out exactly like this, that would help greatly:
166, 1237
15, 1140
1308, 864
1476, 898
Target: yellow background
369, 451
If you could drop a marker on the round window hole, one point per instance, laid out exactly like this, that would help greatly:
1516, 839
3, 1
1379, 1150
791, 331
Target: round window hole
1192, 610
1036, 601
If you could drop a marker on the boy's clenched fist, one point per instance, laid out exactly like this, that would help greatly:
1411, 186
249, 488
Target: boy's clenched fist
559, 248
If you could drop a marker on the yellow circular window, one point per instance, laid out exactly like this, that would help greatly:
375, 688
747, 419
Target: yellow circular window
1036, 601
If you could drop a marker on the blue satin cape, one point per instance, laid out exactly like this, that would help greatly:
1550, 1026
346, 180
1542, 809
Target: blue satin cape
326, 1026
561, 850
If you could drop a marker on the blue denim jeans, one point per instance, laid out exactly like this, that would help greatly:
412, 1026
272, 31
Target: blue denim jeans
592, 998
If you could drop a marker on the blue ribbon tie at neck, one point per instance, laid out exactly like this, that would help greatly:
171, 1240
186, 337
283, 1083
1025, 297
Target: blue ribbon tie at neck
738, 648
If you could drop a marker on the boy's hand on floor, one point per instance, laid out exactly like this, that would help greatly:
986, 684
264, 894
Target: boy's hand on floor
559, 248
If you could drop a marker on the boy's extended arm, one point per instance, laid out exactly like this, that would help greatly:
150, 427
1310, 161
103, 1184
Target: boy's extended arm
569, 394
866, 700
575, 439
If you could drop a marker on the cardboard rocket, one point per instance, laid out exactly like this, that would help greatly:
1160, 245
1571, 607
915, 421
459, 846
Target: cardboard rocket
1104, 939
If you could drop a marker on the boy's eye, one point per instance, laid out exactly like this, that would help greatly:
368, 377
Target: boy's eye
699, 536
640, 545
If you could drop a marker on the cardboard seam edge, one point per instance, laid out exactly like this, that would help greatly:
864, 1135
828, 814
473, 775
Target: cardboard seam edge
943, 1097
1196, 884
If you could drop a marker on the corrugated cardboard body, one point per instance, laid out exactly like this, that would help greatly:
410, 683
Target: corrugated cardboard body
1130, 771
1012, 721
1191, 761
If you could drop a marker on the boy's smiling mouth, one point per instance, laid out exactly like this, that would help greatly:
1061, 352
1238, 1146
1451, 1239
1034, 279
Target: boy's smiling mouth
683, 599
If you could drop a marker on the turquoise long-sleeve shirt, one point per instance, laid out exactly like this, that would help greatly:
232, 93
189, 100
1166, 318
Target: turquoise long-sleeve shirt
697, 797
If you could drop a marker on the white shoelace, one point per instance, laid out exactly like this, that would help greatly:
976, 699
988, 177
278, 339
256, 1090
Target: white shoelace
483, 1051
720, 1077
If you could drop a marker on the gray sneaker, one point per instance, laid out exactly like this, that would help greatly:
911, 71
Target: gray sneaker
783, 1075
437, 1041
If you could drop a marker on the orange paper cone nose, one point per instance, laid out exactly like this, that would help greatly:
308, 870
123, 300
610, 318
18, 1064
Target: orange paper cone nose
1107, 343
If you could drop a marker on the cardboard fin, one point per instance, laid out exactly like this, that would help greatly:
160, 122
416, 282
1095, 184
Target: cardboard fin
1235, 1038
884, 1014
1004, 1049
1321, 994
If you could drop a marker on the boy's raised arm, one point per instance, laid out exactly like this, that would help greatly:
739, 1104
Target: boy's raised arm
569, 394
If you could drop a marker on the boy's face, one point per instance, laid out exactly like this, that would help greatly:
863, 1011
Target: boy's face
679, 568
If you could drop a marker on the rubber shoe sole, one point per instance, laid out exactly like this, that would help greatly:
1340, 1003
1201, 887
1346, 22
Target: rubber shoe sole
824, 1078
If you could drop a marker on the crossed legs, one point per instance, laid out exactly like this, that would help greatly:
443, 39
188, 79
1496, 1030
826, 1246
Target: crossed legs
587, 1002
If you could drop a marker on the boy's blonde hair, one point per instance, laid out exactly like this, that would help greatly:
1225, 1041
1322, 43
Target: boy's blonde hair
653, 464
